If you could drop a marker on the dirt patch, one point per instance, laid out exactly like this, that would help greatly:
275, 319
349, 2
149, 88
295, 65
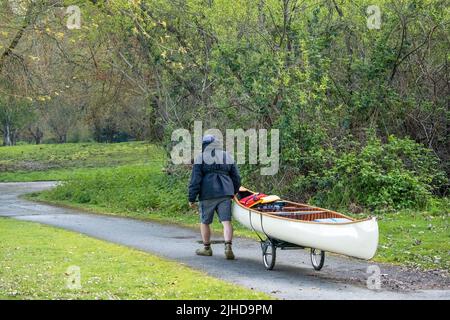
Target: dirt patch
393, 278
405, 279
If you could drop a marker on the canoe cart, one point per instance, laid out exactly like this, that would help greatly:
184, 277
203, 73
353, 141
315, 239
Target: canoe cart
269, 248
301, 226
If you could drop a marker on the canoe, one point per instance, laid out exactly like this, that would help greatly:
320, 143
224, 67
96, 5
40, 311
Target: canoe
311, 227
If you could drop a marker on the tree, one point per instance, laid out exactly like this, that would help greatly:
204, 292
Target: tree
14, 113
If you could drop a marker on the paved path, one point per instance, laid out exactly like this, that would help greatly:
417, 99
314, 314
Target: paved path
293, 277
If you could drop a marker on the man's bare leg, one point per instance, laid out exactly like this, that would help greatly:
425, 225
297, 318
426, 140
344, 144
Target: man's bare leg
206, 233
206, 237
228, 236
227, 231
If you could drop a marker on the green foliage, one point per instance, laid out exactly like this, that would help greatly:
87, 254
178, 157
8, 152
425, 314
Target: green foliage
311, 68
397, 174
130, 188
14, 114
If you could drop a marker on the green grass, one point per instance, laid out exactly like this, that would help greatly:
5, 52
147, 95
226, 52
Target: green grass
60, 161
35, 258
141, 190
417, 239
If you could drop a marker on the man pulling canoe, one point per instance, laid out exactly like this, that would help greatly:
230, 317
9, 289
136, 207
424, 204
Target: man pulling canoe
214, 180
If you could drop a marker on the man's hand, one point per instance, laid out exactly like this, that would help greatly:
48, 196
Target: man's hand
193, 205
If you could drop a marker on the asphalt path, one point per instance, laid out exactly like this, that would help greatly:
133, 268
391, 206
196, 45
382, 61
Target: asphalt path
292, 278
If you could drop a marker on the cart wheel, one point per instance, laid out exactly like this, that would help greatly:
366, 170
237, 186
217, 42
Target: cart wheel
317, 258
269, 252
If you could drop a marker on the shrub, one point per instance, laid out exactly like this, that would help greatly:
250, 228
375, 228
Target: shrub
397, 174
129, 188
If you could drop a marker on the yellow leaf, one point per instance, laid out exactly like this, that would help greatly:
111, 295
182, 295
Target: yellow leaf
164, 24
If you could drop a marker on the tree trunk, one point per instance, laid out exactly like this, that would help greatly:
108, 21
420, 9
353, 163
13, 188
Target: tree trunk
15, 41
39, 136
62, 138
7, 135
14, 134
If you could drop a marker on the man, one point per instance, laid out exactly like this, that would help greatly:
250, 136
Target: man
215, 180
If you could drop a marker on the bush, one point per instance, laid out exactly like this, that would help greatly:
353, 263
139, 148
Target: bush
128, 188
398, 174
395, 174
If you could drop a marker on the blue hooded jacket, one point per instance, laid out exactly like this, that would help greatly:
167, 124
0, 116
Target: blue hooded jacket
214, 175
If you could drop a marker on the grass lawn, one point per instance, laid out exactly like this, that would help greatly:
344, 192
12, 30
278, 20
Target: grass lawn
60, 161
140, 189
35, 260
417, 239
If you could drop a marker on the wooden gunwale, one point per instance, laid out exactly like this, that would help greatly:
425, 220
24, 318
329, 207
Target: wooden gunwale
273, 214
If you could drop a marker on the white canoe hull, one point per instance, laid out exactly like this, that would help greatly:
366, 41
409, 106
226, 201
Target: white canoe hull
357, 239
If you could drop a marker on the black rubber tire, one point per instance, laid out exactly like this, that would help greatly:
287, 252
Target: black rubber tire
317, 263
269, 254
